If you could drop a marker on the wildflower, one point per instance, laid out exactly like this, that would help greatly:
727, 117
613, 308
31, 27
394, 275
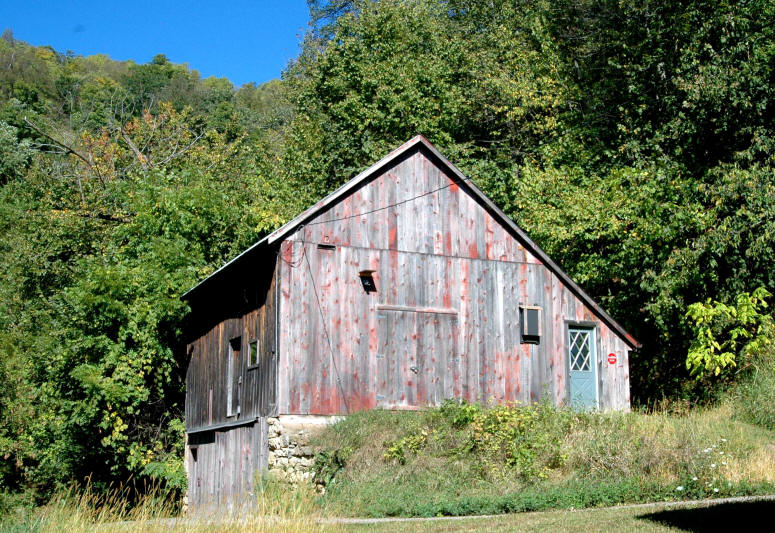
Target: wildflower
679, 487
715, 490
694, 478
723, 440
721, 453
724, 463
713, 465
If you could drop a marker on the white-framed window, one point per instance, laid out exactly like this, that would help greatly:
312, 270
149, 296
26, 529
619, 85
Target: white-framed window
530, 324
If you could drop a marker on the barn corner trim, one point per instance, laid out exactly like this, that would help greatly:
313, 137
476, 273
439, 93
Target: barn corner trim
418, 143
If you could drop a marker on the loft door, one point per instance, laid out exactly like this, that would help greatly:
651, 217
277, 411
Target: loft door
416, 357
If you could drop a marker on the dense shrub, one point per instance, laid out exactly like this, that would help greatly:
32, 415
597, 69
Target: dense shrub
754, 396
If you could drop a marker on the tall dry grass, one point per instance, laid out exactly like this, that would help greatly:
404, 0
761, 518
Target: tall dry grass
666, 445
277, 507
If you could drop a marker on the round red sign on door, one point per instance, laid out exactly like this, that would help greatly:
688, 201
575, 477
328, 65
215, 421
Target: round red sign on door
612, 358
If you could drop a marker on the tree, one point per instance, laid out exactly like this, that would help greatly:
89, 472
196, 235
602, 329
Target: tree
15, 155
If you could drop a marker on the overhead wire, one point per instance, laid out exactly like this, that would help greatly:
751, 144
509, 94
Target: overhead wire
413, 198
325, 330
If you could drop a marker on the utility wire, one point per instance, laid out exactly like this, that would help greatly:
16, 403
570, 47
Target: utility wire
391, 205
293, 263
325, 330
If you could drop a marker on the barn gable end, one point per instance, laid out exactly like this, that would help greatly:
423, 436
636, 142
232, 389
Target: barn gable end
450, 280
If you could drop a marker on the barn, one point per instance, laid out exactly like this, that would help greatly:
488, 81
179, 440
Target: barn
404, 287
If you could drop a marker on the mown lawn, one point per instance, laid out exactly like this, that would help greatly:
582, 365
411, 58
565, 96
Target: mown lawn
721, 517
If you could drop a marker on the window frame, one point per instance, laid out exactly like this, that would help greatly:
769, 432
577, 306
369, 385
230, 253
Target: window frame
257, 364
530, 339
233, 371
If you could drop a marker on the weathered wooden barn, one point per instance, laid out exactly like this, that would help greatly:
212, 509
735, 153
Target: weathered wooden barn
404, 287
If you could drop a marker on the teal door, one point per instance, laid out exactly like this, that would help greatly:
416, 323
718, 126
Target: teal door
583, 368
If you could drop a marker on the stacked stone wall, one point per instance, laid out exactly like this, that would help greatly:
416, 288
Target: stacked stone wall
291, 457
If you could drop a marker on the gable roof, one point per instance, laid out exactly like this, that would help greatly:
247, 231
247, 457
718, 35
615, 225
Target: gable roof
418, 143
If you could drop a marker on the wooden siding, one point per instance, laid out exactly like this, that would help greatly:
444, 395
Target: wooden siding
484, 358
441, 251
416, 358
222, 465
447, 222
207, 378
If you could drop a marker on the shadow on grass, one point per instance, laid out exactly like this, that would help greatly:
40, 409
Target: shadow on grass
723, 517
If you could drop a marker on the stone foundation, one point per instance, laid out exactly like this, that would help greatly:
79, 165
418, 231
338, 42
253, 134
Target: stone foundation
290, 456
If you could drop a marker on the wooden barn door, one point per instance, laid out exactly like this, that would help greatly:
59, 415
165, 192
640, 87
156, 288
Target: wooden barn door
417, 350
222, 464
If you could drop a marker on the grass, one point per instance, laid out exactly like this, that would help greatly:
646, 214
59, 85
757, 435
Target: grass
698, 517
279, 508
80, 516
463, 459
426, 464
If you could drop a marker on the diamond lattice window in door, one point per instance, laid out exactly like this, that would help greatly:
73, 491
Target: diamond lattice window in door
579, 349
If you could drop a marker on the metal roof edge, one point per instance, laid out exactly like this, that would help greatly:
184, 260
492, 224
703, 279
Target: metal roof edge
310, 212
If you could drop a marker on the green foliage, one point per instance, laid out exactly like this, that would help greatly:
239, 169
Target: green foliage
460, 413
97, 249
328, 464
392, 69
520, 441
526, 440
15, 155
399, 449
725, 334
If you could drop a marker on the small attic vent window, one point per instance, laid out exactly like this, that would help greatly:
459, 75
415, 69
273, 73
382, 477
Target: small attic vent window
367, 280
530, 324
326, 247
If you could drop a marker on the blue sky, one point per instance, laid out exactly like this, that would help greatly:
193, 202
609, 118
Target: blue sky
238, 39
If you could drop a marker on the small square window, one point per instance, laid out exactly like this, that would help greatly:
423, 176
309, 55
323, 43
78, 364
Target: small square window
253, 353
530, 324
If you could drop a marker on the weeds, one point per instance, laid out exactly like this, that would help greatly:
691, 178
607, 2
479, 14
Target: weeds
754, 397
